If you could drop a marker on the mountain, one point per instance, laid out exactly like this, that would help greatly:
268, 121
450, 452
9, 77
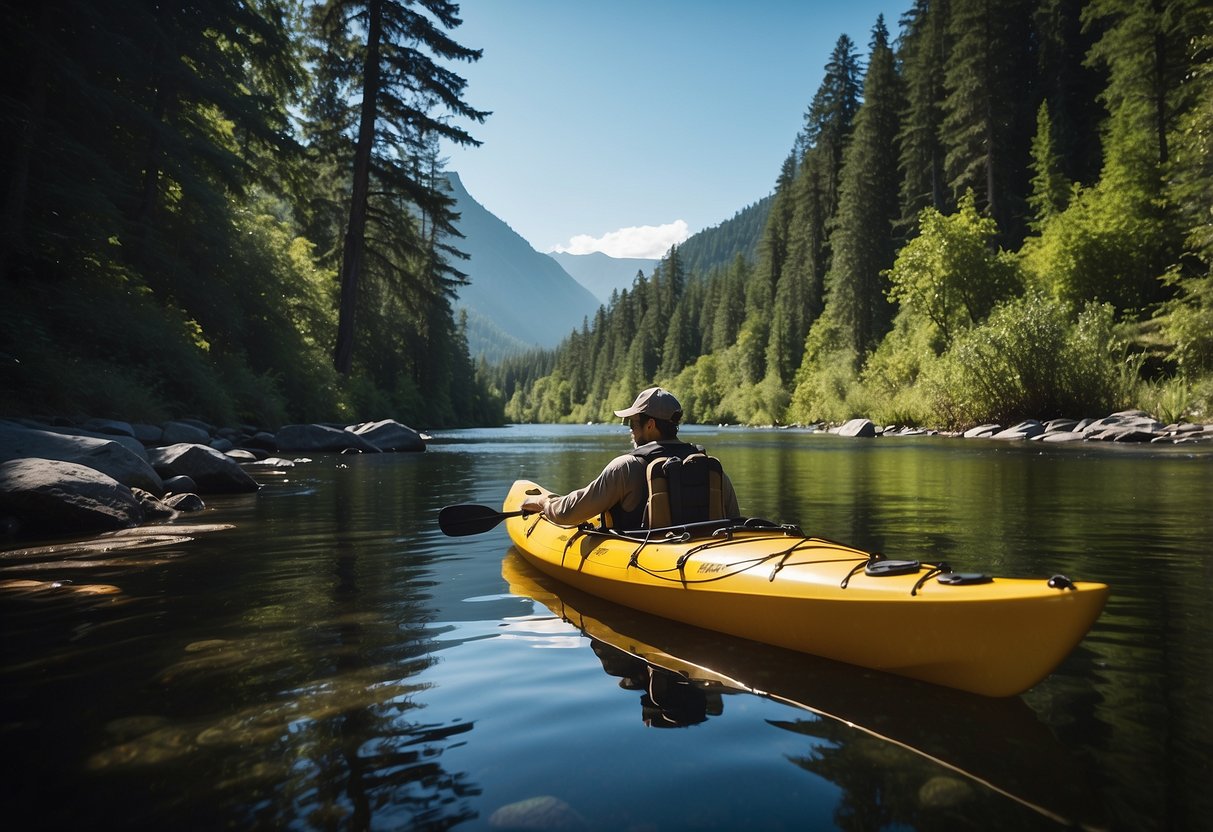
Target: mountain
517, 297
601, 273
701, 253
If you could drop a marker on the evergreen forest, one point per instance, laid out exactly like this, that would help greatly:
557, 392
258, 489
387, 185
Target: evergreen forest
1004, 212
231, 209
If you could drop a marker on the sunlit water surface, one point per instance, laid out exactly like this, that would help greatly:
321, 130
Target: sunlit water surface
320, 656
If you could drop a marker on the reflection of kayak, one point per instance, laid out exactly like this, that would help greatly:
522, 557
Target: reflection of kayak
773, 584
999, 744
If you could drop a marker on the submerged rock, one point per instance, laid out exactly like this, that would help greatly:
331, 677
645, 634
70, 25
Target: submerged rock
50, 497
538, 813
944, 793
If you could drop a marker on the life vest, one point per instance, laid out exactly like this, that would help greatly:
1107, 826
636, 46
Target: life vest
684, 485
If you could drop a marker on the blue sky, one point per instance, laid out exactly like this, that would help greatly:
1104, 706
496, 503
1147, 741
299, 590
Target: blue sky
626, 125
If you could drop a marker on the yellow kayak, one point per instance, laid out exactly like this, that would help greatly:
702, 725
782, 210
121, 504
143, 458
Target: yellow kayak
999, 744
776, 585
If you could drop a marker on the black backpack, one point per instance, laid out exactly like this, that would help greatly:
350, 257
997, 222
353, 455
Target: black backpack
684, 491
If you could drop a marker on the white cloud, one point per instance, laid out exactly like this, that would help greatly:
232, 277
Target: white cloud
652, 241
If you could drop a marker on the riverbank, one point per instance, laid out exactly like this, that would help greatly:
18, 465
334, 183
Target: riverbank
1123, 426
60, 479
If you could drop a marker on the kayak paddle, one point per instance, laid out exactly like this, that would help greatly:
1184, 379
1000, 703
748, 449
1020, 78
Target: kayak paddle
463, 520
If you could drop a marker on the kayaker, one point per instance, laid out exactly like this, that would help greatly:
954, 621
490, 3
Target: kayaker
622, 488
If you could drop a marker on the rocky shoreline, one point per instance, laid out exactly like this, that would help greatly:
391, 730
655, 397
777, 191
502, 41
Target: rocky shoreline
60, 480
1124, 426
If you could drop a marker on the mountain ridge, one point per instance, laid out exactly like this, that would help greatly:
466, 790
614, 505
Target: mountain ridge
601, 273
515, 295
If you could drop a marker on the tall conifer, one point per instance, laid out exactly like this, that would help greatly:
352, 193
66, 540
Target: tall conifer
403, 94
922, 52
988, 113
862, 231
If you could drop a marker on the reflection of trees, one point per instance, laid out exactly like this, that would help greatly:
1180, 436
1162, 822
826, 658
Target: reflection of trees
367, 759
884, 785
879, 787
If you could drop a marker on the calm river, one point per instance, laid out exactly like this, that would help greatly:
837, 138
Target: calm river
320, 656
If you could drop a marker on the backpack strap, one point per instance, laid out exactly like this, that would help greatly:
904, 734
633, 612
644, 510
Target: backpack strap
657, 513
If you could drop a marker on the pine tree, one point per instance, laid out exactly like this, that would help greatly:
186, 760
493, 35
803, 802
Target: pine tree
828, 121
987, 126
786, 292
922, 52
1143, 47
1070, 86
400, 87
1050, 188
862, 232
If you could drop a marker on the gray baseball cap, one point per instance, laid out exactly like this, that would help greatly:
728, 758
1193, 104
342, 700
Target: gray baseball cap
655, 402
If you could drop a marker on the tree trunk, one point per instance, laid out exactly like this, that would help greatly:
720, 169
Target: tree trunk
355, 235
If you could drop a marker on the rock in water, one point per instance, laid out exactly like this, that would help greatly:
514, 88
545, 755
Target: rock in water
538, 813
51, 497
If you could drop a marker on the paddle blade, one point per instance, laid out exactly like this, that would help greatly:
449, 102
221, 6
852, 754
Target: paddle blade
463, 520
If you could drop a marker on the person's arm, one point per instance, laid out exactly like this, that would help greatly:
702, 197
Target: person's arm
607, 490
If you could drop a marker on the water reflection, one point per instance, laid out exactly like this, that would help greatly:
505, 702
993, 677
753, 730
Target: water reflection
894, 745
319, 656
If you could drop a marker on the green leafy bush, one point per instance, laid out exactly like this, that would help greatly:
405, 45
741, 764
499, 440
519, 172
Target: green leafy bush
1030, 360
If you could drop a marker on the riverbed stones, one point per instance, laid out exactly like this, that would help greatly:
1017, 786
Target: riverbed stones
111, 426
543, 813
105, 455
179, 484
321, 439
51, 497
1024, 430
389, 435
183, 432
210, 470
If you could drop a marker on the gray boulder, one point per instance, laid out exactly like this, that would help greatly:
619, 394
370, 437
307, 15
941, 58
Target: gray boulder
1024, 430
261, 441
211, 471
129, 442
982, 431
185, 502
148, 434
50, 497
389, 435
104, 455
320, 439
242, 455
153, 507
1060, 436
110, 426
179, 484
183, 432
1125, 426
858, 427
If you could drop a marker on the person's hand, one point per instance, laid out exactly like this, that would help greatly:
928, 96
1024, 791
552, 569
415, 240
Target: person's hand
534, 506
